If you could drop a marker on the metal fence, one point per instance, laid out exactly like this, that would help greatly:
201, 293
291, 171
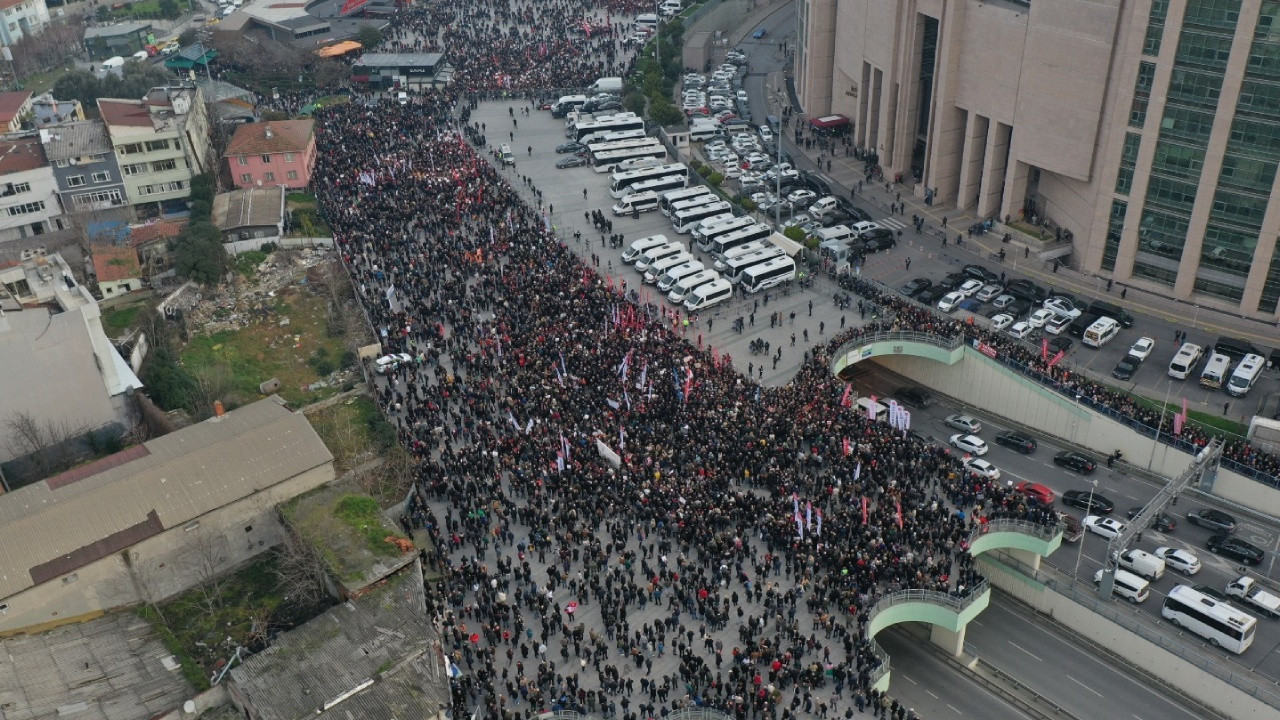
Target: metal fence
956, 603
897, 336
1026, 527
697, 13
699, 713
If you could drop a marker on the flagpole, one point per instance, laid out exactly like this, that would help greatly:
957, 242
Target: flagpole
1164, 407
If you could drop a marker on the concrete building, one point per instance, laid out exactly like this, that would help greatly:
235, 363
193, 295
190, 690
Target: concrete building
249, 218
117, 270
15, 106
29, 204
51, 111
21, 18
85, 168
1145, 132
56, 362
160, 142
413, 70
155, 519
118, 39
277, 152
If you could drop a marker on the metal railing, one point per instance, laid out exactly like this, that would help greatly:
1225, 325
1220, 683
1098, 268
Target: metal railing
699, 712
564, 715
951, 601
919, 336
1026, 527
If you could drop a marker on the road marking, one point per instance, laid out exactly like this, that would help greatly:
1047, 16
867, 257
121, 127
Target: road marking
953, 707
935, 697
1139, 717
1086, 687
975, 622
908, 679
1037, 657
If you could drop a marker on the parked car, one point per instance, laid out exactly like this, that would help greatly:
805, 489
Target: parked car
1062, 306
969, 288
1106, 527
914, 396
950, 302
1017, 442
931, 295
1057, 324
1003, 301
916, 286
1179, 559
1091, 502
1230, 546
1039, 318
1127, 366
1162, 521
964, 423
1142, 348
978, 272
387, 363
1036, 491
1215, 520
951, 281
571, 162
1021, 330
969, 443
982, 468
1073, 460
1001, 321
1060, 344
988, 293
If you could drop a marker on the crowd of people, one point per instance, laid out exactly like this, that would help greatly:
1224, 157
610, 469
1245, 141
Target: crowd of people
521, 45
577, 453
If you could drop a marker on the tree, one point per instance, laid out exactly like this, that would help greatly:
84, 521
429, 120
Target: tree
188, 37
300, 572
41, 443
168, 9
634, 102
168, 384
369, 36
664, 113
794, 233
198, 253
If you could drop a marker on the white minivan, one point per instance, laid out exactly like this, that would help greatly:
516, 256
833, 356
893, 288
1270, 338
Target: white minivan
704, 296
653, 255
1100, 332
1127, 585
684, 287
1141, 562
636, 203
640, 246
1185, 361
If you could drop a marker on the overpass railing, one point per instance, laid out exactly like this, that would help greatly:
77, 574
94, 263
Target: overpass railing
699, 713
1026, 527
952, 601
918, 336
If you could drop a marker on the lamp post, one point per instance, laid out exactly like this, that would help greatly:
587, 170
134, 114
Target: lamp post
1164, 407
1093, 486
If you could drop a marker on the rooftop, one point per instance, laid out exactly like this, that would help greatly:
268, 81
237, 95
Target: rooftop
116, 30
112, 262
75, 139
251, 207
274, 136
21, 155
54, 526
12, 102
371, 657
129, 113
155, 230
400, 60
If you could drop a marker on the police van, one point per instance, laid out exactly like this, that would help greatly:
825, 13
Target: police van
1245, 375
1215, 371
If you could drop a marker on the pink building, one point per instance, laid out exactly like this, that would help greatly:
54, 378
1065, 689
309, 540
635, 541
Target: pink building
279, 152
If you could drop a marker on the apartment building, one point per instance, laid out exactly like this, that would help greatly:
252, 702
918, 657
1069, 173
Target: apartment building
28, 191
1144, 132
160, 143
85, 168
21, 18
279, 152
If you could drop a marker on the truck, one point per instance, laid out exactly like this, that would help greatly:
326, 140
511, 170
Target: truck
607, 85
1248, 590
1072, 530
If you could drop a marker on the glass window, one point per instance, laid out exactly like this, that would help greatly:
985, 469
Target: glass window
246, 178
1232, 291
293, 174
1271, 286
288, 157
242, 160
75, 180
266, 159
1115, 227
101, 177
1155, 27
268, 177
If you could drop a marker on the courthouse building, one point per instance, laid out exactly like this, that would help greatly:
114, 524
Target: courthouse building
1146, 131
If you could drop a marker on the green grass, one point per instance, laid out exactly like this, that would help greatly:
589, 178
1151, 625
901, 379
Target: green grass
1216, 422
144, 9
119, 320
301, 198
354, 431
362, 514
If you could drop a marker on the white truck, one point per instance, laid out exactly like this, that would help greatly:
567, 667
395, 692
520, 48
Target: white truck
607, 85
1248, 590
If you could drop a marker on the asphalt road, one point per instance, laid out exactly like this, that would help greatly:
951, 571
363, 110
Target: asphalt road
931, 686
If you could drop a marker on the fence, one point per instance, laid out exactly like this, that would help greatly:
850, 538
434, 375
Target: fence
1026, 527
956, 603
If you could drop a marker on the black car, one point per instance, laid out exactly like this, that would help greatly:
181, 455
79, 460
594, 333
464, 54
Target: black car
1127, 366
930, 296
1092, 502
914, 396
1215, 520
1018, 309
1230, 546
1163, 522
1060, 344
1016, 442
609, 105
952, 281
571, 161
878, 239
816, 182
916, 286
855, 212
977, 272
570, 147
1073, 460
1028, 291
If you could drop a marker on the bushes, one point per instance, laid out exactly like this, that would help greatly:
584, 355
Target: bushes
715, 179
748, 204
794, 233
705, 170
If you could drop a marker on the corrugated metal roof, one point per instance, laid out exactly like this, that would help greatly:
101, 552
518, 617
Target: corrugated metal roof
346, 646
188, 473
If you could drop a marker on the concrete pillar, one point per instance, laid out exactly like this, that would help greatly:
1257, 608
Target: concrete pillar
1015, 187
860, 130
873, 112
990, 195
952, 642
1029, 559
971, 160
946, 152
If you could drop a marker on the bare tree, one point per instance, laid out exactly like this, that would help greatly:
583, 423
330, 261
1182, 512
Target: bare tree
391, 479
300, 572
35, 440
213, 382
144, 583
208, 561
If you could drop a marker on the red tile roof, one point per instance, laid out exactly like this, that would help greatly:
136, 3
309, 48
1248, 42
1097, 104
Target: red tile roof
285, 136
11, 102
111, 262
20, 155
156, 230
124, 112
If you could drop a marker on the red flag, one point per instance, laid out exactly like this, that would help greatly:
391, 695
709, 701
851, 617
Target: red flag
844, 400
1177, 423
1184, 409
847, 449
898, 506
1044, 348
1057, 358
864, 509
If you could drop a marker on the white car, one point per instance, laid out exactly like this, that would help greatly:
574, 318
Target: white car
765, 132
950, 302
1003, 301
732, 172
1039, 318
963, 422
387, 363
1106, 527
1001, 321
982, 468
1142, 349
969, 287
988, 292
1178, 559
1062, 306
798, 196
1021, 330
970, 444
742, 96
1057, 324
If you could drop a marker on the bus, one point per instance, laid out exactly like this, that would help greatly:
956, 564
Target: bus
620, 182
613, 136
733, 252
734, 266
676, 196
770, 273
659, 185
687, 219
706, 235
690, 203
1221, 624
727, 241
599, 146
609, 160
607, 124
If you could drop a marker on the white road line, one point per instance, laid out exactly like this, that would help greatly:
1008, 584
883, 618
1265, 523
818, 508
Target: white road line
975, 622
1037, 657
935, 697
891, 222
908, 679
1139, 717
953, 707
1086, 687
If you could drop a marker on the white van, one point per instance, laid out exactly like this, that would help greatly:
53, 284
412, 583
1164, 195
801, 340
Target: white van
641, 246
508, 157
704, 296
871, 408
684, 287
702, 133
660, 267
647, 21
1100, 332
677, 273
1245, 375
1215, 371
1127, 585
636, 202
822, 207
670, 7
837, 233
1141, 562
653, 255
1185, 360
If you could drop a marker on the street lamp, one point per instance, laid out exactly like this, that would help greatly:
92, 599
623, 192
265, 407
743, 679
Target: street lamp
1093, 486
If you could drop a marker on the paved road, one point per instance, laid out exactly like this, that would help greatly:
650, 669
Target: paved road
931, 686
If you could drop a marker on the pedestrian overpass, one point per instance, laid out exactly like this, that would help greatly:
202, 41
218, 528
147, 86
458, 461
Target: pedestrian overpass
938, 348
